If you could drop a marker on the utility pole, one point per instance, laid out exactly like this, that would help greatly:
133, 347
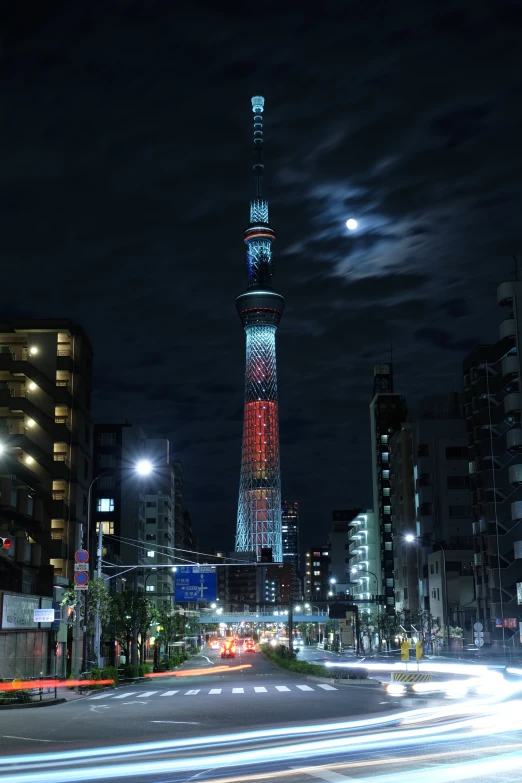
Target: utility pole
97, 628
290, 625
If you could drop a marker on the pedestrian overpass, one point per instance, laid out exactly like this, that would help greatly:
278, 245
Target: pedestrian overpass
261, 617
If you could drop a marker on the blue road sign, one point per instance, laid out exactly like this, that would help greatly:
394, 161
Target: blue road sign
196, 583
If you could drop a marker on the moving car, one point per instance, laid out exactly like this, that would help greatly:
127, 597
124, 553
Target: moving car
228, 649
215, 644
249, 646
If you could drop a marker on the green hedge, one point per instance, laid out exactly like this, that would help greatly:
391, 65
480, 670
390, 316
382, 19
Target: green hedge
287, 661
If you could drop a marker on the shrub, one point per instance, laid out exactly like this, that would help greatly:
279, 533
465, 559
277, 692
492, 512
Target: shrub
110, 673
174, 661
143, 669
130, 672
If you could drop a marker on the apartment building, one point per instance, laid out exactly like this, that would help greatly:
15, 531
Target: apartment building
46, 443
493, 406
317, 573
387, 412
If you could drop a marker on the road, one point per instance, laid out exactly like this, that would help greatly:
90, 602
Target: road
257, 696
257, 723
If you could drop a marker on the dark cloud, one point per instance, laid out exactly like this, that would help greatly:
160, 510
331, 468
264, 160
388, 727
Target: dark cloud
126, 133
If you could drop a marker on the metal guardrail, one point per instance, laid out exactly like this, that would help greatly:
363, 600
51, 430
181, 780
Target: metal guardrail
37, 694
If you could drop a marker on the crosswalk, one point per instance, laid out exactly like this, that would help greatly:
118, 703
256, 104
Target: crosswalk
251, 690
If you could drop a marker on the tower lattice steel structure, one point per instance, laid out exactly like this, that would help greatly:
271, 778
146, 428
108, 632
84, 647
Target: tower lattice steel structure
260, 310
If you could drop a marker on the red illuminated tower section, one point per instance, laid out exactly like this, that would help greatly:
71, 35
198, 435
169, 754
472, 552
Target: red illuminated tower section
260, 310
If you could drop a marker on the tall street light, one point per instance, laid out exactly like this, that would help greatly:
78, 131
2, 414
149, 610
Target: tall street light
142, 468
410, 539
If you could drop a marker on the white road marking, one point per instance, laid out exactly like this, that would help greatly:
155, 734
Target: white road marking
214, 691
169, 693
97, 707
208, 659
281, 688
327, 775
260, 689
185, 722
124, 695
238, 690
304, 687
147, 693
103, 696
326, 687
192, 693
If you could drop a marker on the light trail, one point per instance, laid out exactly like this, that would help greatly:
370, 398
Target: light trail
354, 765
500, 719
29, 685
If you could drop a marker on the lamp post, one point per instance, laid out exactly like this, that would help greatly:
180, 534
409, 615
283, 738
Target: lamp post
410, 538
312, 606
143, 468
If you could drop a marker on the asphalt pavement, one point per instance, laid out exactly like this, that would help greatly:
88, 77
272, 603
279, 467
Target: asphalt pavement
219, 695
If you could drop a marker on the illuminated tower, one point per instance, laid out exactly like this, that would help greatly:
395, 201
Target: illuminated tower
260, 310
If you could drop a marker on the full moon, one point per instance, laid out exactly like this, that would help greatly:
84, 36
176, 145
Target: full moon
351, 224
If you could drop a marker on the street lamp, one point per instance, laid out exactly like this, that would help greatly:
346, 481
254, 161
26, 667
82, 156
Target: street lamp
142, 468
410, 538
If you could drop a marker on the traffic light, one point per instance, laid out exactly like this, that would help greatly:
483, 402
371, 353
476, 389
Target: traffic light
419, 651
5, 543
405, 651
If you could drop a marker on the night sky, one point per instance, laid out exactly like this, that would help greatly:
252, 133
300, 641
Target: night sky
126, 137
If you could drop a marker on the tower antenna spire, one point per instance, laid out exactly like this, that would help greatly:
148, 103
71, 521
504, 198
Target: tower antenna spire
258, 105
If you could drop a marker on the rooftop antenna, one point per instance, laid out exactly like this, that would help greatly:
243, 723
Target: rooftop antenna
258, 105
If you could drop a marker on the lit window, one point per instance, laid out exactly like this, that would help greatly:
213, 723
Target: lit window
317, 573
150, 553
105, 504
150, 588
107, 528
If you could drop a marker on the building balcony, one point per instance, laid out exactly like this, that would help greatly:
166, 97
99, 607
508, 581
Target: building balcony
22, 364
59, 544
505, 293
64, 431
513, 403
507, 329
515, 475
22, 401
516, 510
514, 439
510, 366
63, 394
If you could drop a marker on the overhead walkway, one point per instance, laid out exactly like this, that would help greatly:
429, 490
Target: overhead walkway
262, 617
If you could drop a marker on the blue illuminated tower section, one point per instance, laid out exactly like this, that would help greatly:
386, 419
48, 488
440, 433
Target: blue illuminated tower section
260, 310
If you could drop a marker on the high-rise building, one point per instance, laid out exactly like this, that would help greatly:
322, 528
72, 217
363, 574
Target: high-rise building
317, 567
493, 415
182, 522
431, 500
260, 309
136, 512
387, 412
339, 548
364, 557
290, 533
45, 436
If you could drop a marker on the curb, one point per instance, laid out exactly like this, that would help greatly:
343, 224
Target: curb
34, 705
329, 680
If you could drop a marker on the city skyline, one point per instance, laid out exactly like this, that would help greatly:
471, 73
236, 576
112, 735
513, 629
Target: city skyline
121, 211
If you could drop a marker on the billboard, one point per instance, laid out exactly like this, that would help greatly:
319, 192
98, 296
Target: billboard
196, 583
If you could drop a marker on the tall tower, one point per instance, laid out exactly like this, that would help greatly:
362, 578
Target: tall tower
260, 310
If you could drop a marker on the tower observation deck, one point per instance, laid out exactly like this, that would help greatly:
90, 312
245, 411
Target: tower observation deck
260, 309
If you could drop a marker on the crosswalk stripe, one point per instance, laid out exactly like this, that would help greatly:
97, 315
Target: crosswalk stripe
326, 687
281, 688
169, 693
214, 690
127, 693
192, 693
304, 687
260, 689
103, 696
147, 693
